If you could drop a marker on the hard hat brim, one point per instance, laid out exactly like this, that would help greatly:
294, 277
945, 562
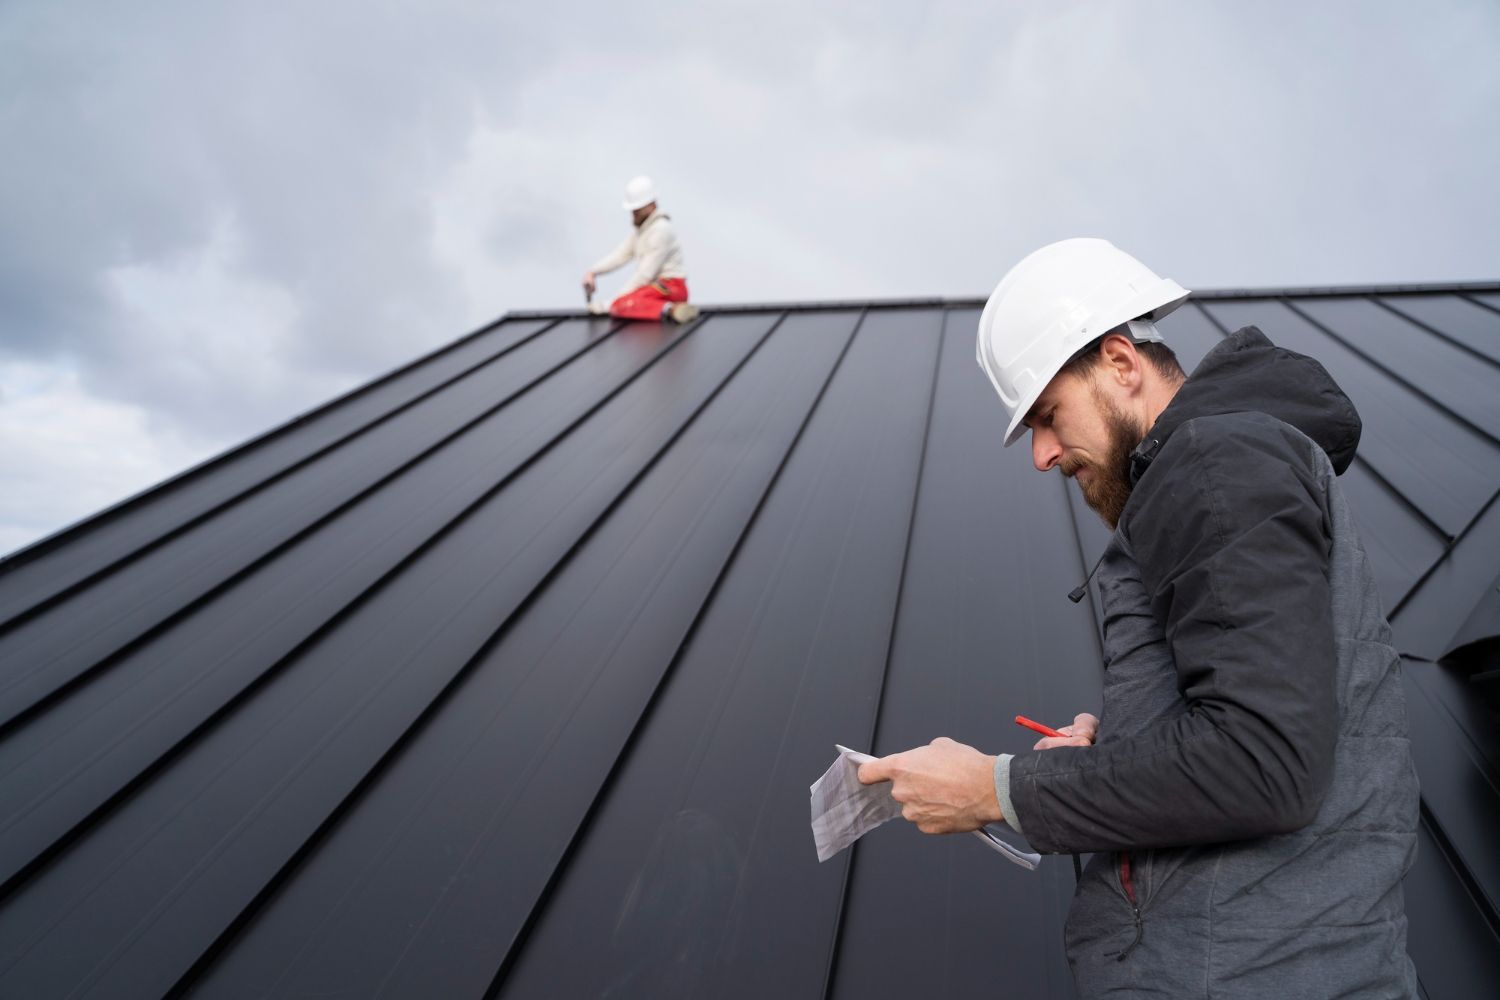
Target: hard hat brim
1178, 295
1015, 431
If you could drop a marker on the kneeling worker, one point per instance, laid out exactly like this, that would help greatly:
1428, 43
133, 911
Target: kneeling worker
658, 288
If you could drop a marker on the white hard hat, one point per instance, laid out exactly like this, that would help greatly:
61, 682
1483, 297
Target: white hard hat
1052, 304
639, 193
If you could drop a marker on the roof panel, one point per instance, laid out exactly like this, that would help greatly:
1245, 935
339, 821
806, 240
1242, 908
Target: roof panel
1490, 299
1457, 956
1429, 621
1482, 622
1443, 372
1459, 779
1446, 469
1400, 549
1462, 321
781, 666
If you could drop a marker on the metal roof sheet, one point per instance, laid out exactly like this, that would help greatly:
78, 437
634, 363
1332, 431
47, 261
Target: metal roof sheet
504, 674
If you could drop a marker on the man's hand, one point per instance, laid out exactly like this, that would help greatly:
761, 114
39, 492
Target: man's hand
1080, 734
944, 787
588, 283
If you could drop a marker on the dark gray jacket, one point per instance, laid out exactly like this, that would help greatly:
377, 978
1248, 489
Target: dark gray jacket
1251, 793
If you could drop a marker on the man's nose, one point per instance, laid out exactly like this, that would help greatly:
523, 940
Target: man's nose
1045, 451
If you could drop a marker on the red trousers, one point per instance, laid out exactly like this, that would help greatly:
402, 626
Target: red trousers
648, 301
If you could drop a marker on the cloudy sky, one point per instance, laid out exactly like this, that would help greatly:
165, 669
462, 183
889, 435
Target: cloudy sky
215, 216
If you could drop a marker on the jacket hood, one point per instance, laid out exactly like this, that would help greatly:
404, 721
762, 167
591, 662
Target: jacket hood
1248, 373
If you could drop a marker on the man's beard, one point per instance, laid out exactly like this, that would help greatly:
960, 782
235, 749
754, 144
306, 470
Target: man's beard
1108, 488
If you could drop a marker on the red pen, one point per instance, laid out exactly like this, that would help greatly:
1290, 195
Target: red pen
1021, 720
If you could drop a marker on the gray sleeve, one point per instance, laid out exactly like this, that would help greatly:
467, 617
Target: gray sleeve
1002, 790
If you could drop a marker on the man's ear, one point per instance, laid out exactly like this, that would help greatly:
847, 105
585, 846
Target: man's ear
1122, 362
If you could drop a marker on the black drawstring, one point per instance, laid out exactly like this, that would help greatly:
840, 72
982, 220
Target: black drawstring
1120, 956
1075, 595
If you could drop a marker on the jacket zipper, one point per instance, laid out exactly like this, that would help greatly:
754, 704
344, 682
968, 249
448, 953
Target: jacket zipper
1129, 887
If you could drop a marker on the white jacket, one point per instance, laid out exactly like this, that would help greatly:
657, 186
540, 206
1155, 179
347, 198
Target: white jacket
654, 247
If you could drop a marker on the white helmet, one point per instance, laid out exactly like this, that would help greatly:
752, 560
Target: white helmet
1053, 304
639, 193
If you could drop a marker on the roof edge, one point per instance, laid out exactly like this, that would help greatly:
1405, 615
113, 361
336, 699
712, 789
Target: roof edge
38, 547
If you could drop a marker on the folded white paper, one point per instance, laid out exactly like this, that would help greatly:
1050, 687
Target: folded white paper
843, 810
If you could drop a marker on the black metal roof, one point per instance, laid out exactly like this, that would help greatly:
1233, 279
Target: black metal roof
506, 674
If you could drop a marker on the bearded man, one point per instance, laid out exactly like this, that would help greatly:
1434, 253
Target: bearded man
1247, 789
